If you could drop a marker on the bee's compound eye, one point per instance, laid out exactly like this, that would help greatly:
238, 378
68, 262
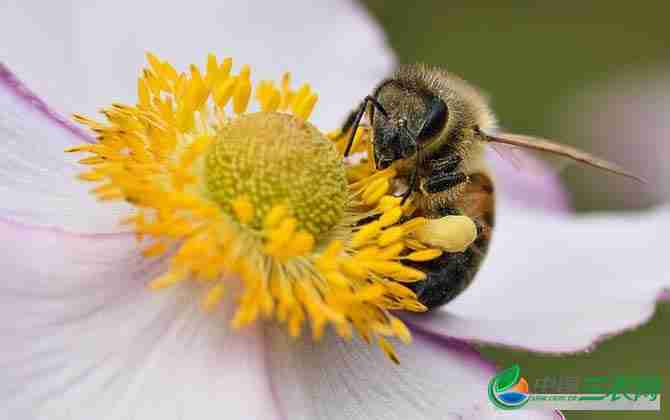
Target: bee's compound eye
435, 119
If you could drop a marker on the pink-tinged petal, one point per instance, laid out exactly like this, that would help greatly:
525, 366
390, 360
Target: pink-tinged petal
524, 180
559, 284
626, 119
83, 338
90, 52
334, 379
38, 182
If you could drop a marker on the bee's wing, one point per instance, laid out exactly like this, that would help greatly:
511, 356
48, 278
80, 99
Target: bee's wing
544, 145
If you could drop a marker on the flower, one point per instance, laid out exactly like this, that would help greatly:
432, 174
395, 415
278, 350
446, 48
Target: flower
86, 339
264, 197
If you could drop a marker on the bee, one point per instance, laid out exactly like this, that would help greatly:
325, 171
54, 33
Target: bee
433, 127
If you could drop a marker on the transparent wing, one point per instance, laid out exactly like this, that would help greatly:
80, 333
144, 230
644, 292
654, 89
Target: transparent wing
543, 145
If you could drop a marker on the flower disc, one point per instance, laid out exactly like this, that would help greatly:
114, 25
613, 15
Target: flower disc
277, 159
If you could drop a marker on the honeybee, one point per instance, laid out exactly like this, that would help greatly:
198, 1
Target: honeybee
433, 127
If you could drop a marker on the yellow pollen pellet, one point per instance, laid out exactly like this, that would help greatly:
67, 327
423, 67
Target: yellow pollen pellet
450, 233
243, 209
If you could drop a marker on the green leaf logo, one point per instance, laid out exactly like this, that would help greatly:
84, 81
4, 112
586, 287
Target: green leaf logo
507, 378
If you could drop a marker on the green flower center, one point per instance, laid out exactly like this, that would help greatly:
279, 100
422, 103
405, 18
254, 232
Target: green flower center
277, 159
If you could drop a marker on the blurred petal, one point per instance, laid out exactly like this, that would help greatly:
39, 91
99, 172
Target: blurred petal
624, 118
37, 178
90, 52
526, 181
334, 379
83, 338
560, 284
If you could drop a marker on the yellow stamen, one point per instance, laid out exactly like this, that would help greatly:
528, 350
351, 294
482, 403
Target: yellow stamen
424, 255
261, 197
213, 297
244, 209
166, 280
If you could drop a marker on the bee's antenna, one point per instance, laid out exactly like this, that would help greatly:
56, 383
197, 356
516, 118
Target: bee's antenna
359, 116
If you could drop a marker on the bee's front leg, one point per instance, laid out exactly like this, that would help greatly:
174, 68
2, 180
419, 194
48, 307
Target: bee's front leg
447, 275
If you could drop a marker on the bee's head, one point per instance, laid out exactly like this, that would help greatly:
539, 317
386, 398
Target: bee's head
404, 120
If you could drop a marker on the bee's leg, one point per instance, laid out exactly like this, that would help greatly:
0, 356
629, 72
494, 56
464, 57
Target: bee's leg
448, 275
349, 121
440, 169
358, 116
441, 181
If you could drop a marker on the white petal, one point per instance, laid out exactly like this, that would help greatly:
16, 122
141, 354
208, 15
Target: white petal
559, 284
333, 379
81, 55
37, 178
90, 55
83, 338
523, 180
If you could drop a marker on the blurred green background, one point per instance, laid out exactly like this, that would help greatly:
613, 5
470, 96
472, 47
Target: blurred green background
530, 56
